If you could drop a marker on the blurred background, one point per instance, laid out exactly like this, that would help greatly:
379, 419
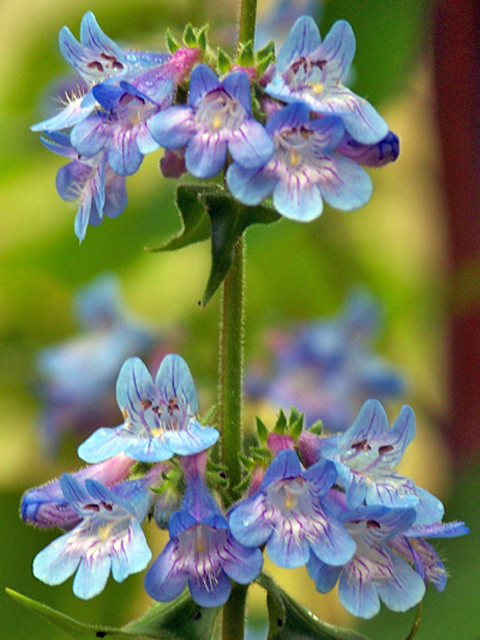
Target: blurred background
415, 249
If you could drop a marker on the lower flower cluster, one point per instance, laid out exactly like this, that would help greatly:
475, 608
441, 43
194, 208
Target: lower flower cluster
334, 504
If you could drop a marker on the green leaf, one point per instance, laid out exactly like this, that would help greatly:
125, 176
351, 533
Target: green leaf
317, 428
266, 51
224, 61
262, 431
172, 44
202, 37
189, 37
246, 57
229, 220
195, 222
182, 619
281, 424
296, 428
290, 621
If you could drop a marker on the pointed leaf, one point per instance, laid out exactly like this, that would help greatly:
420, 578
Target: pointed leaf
317, 428
189, 37
224, 61
172, 44
262, 431
229, 219
246, 57
202, 37
281, 424
182, 619
266, 52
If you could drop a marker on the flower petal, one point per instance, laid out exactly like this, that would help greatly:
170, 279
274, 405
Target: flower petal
163, 582
250, 145
212, 594
304, 37
206, 155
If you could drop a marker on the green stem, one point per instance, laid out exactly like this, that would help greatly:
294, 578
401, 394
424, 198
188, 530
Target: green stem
248, 16
230, 388
233, 622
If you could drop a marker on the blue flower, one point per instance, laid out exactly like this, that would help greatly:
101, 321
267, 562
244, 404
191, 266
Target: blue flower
290, 515
412, 546
202, 552
79, 374
219, 117
97, 59
304, 170
90, 182
366, 456
375, 572
370, 155
327, 368
314, 72
108, 538
159, 417
275, 24
46, 506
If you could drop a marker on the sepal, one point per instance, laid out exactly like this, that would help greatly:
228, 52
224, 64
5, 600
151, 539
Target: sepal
246, 57
172, 44
224, 62
189, 37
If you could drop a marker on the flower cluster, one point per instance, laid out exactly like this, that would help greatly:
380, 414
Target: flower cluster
326, 368
341, 509
302, 140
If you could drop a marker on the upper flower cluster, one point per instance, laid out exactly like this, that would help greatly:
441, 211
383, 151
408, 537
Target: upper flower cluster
302, 141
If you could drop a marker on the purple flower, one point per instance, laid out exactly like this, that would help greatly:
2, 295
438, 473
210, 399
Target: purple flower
327, 367
90, 182
219, 117
47, 507
290, 515
202, 552
79, 375
159, 416
366, 456
412, 546
108, 538
375, 572
314, 72
305, 168
371, 155
97, 59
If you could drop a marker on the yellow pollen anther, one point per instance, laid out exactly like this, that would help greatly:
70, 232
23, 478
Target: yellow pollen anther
217, 122
294, 158
317, 88
290, 499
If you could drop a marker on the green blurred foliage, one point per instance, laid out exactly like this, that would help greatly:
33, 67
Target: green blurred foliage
294, 272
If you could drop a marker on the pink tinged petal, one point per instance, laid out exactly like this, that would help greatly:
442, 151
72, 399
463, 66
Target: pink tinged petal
72, 114
210, 591
124, 156
250, 186
92, 575
338, 49
90, 136
173, 128
304, 37
205, 155
250, 521
358, 594
250, 145
145, 142
130, 552
296, 198
343, 183
202, 80
164, 581
240, 563
403, 589
56, 563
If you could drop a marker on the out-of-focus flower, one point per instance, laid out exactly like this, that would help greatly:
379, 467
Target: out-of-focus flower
202, 552
79, 375
305, 168
108, 538
289, 514
375, 572
314, 72
365, 457
327, 369
219, 117
160, 416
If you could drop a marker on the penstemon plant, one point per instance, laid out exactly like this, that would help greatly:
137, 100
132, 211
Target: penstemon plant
281, 135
